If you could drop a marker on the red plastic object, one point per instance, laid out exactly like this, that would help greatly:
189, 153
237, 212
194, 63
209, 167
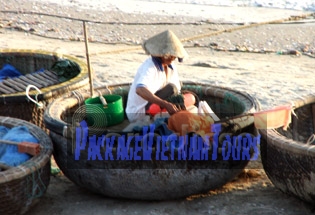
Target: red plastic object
155, 109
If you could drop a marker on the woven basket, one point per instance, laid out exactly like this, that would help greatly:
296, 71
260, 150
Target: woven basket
288, 161
21, 187
136, 180
17, 104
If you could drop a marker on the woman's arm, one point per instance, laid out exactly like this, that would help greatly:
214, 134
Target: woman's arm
150, 97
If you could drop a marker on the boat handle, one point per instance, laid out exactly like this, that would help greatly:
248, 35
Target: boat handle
39, 104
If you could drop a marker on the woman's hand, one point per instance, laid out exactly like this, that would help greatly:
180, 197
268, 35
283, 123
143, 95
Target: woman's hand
171, 108
150, 97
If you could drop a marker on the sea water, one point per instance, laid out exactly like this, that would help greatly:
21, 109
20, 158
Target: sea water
238, 11
283, 4
144, 5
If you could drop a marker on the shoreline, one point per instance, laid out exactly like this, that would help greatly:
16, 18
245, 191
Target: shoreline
189, 9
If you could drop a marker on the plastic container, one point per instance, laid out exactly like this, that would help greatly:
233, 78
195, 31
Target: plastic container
99, 115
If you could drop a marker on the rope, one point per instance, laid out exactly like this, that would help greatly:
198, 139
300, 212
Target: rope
99, 22
278, 21
295, 18
35, 184
78, 96
310, 140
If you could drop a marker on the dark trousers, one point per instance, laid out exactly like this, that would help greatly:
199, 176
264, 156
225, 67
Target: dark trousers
164, 93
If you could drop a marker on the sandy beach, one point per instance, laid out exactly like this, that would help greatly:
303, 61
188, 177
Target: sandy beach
273, 62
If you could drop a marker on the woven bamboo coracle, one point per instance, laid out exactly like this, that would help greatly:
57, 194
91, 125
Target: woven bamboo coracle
22, 187
13, 99
147, 180
287, 159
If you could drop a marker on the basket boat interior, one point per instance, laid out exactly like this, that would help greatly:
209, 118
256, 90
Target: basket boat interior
225, 102
302, 126
28, 66
288, 156
34, 67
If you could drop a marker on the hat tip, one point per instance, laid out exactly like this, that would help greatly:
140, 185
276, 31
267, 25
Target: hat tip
165, 43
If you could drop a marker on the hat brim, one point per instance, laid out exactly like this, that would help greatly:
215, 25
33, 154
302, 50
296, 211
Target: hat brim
165, 44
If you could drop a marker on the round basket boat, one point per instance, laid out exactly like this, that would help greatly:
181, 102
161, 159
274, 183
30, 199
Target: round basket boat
21, 187
147, 179
13, 99
288, 157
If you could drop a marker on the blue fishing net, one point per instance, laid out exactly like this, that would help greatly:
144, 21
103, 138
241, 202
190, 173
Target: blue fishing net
8, 71
9, 154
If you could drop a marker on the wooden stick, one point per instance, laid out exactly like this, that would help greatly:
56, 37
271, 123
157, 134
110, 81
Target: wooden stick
313, 113
88, 58
24, 147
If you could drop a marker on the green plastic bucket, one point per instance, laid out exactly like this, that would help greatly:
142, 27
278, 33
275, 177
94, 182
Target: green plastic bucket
99, 116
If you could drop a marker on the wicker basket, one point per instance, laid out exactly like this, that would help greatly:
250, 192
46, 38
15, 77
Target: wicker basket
21, 187
288, 161
16, 104
135, 180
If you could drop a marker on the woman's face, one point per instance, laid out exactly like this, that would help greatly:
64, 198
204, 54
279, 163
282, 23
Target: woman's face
167, 60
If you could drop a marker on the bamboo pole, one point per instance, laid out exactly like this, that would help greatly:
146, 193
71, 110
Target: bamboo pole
313, 115
88, 58
24, 147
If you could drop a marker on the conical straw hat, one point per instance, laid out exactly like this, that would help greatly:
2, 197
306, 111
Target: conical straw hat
165, 44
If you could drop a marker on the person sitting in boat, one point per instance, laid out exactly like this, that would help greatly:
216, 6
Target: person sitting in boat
157, 78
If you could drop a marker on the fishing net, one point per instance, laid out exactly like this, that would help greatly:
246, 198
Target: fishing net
66, 69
